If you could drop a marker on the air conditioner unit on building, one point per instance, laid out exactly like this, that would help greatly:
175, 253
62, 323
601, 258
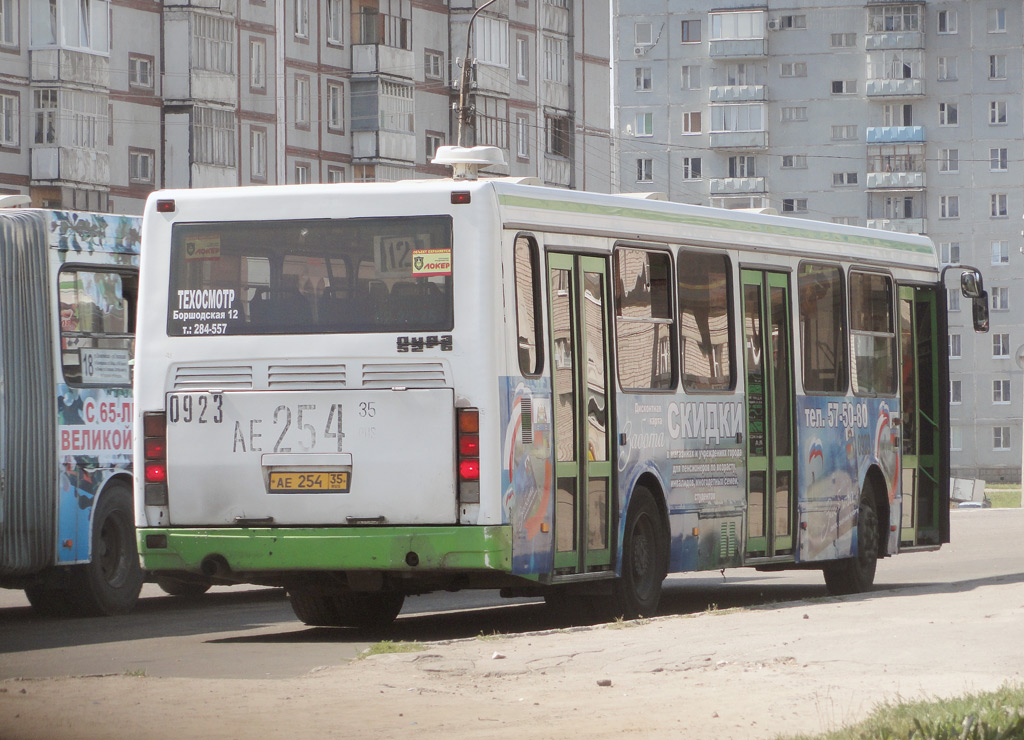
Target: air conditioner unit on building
774, 24
640, 50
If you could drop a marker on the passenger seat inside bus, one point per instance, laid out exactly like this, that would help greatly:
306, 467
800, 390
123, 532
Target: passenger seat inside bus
287, 307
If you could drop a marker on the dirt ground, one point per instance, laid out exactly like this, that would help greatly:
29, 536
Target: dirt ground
798, 667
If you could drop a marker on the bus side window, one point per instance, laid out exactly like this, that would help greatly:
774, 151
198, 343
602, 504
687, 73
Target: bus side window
528, 324
872, 334
643, 319
822, 329
705, 328
97, 326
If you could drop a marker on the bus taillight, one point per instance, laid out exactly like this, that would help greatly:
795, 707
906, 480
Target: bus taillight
154, 428
469, 455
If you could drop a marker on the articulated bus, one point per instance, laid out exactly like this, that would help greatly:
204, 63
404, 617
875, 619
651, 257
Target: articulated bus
360, 392
68, 288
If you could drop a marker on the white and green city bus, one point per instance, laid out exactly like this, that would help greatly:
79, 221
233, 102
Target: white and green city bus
365, 391
68, 292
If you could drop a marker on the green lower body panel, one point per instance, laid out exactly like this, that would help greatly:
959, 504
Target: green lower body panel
452, 549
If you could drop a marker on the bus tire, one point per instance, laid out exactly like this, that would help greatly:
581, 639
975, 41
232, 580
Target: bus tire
181, 586
644, 555
110, 583
49, 602
320, 608
856, 575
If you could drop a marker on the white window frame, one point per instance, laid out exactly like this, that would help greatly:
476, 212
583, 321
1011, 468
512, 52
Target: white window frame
997, 66
956, 392
953, 299
843, 40
739, 25
794, 113
140, 166
949, 161
301, 100
690, 77
10, 124
213, 136
644, 80
1000, 298
8, 23
792, 69
643, 33
997, 113
948, 69
1000, 251
949, 206
301, 19
303, 173
742, 117
1001, 439
692, 168
844, 179
997, 20
955, 347
794, 161
692, 122
794, 205
949, 114
213, 43
946, 22
140, 71
998, 205
555, 51
998, 159
844, 132
490, 41
336, 22
523, 130
844, 87
257, 63
644, 124
335, 106
949, 253
258, 153
522, 58
644, 169
1001, 392
44, 114
1000, 346
956, 438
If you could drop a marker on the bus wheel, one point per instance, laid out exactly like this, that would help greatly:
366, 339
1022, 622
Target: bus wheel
638, 591
855, 575
111, 581
323, 608
182, 586
49, 602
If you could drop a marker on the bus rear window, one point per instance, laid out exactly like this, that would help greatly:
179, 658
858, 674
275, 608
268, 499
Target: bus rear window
311, 276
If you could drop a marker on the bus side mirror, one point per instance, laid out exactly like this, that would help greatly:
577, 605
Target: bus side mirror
979, 309
971, 284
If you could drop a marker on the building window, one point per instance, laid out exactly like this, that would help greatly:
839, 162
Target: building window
643, 34
949, 160
845, 220
554, 59
1000, 346
746, 117
644, 170
953, 299
691, 168
302, 173
794, 161
846, 132
997, 112
843, 40
9, 132
335, 22
839, 179
522, 137
998, 159
644, 124
491, 41
336, 107
522, 58
956, 438
844, 87
742, 166
643, 79
258, 153
948, 114
44, 107
140, 165
947, 69
434, 139
793, 69
396, 107
1000, 252
889, 18
433, 65
140, 71
947, 21
949, 206
954, 347
997, 66
691, 122
1000, 438
690, 77
897, 114
737, 25
213, 137
335, 174
85, 25
1001, 391
794, 205
558, 133
8, 23
302, 19
997, 205
690, 32
213, 47
302, 101
257, 64
997, 20
1000, 298
794, 113
793, 21
949, 253
956, 391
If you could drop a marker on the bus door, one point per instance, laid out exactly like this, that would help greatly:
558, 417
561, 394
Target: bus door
925, 509
768, 339
583, 470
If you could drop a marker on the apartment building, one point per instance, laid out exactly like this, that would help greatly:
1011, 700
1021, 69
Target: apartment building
904, 116
104, 101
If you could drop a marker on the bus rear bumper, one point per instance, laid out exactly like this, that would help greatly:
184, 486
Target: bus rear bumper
219, 552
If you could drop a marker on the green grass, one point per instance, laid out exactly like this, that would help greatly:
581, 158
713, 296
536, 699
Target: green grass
385, 647
1004, 497
997, 715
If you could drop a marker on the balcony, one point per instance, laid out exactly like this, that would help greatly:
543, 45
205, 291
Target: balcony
901, 88
736, 185
64, 65
738, 48
901, 225
70, 164
896, 180
894, 134
894, 40
736, 93
739, 139
377, 58
384, 145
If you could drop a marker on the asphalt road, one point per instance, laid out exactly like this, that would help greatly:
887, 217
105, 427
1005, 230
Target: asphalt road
252, 633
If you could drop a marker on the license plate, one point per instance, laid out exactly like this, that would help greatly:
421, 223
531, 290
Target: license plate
324, 482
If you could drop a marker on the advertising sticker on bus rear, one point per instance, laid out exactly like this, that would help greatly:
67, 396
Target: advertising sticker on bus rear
430, 262
203, 247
